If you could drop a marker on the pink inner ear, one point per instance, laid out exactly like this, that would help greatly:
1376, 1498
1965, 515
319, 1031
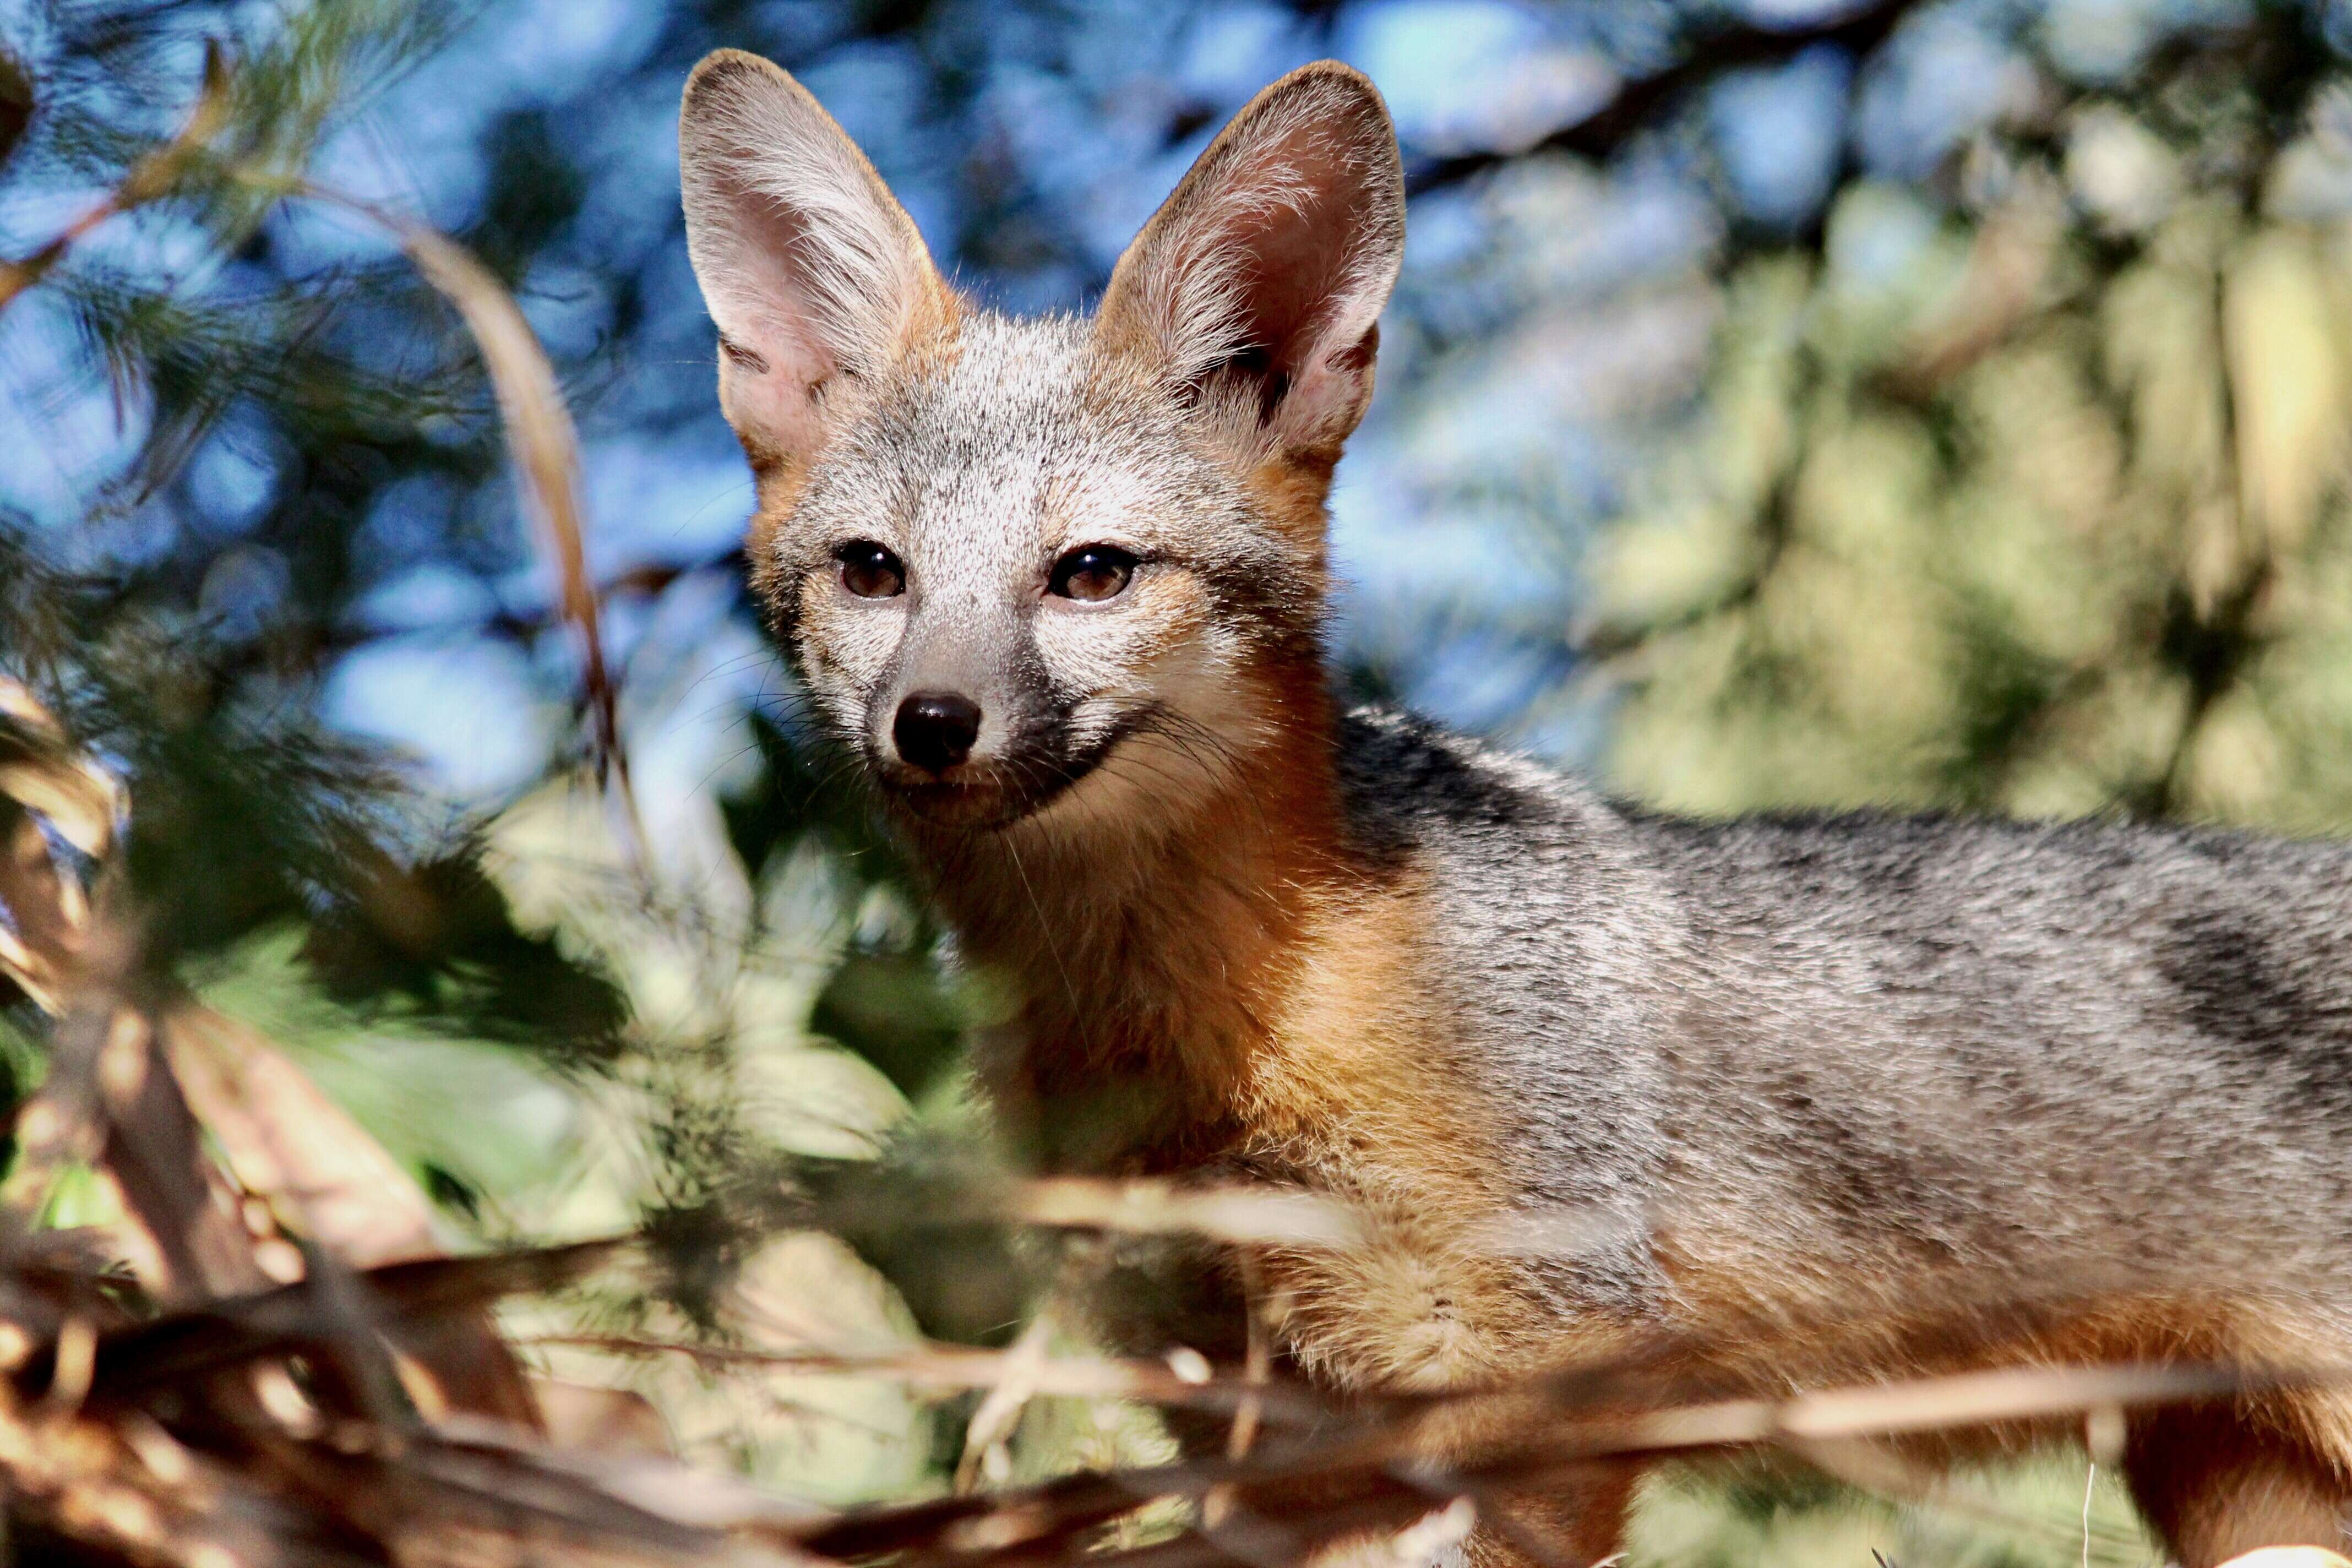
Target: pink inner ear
772, 353
1297, 264
810, 268
1301, 279
771, 306
1257, 283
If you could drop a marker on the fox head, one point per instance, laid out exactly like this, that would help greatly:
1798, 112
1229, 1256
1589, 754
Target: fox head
1054, 570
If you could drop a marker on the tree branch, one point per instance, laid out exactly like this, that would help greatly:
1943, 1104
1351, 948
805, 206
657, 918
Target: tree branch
1603, 132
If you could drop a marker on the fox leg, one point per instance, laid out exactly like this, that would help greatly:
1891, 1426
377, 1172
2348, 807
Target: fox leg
1574, 1524
2217, 1480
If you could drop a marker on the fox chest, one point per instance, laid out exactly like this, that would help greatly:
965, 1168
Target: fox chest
1346, 1078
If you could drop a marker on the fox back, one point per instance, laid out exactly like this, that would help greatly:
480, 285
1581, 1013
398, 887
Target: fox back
1589, 1074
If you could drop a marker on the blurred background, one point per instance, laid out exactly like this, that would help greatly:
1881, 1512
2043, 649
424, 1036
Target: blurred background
1785, 403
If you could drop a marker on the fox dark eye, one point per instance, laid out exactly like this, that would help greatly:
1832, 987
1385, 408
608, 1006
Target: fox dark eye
869, 571
1092, 571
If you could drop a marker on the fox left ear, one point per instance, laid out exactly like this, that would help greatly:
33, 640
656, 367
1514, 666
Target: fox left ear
1257, 287
815, 273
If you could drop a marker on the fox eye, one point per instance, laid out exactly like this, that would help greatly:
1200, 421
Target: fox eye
1092, 571
869, 571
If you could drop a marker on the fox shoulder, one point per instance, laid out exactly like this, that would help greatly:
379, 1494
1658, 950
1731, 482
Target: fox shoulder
1498, 921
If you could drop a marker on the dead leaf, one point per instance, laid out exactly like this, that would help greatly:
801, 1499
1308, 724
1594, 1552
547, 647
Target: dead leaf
288, 1142
546, 449
46, 788
154, 1150
42, 769
45, 912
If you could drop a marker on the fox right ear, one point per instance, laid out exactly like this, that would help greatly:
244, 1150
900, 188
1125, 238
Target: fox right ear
814, 272
1257, 287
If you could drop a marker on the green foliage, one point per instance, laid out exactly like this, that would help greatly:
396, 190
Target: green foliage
2046, 518
2033, 1516
435, 941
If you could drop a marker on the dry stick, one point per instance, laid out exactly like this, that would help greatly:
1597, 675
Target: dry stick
986, 1527
1361, 1456
1809, 1426
1258, 1367
546, 451
135, 1361
1923, 1404
1239, 1212
2090, 1480
1007, 1394
1823, 1429
1494, 1511
953, 1366
1256, 1371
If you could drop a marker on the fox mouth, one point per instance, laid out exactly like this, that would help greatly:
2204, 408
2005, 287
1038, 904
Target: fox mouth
976, 802
995, 793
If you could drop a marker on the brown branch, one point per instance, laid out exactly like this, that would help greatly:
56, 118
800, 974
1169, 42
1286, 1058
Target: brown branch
935, 1365
1360, 1474
1607, 128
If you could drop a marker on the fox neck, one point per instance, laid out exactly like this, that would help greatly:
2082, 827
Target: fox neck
1148, 955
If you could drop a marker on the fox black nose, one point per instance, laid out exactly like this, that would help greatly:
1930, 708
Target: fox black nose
935, 729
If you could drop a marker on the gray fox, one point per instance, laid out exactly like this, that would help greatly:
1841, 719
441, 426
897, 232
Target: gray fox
1059, 586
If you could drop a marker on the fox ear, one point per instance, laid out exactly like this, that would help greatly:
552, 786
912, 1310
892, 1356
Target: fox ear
1257, 286
812, 270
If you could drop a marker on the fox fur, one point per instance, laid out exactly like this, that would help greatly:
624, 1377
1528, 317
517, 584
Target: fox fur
1775, 1069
